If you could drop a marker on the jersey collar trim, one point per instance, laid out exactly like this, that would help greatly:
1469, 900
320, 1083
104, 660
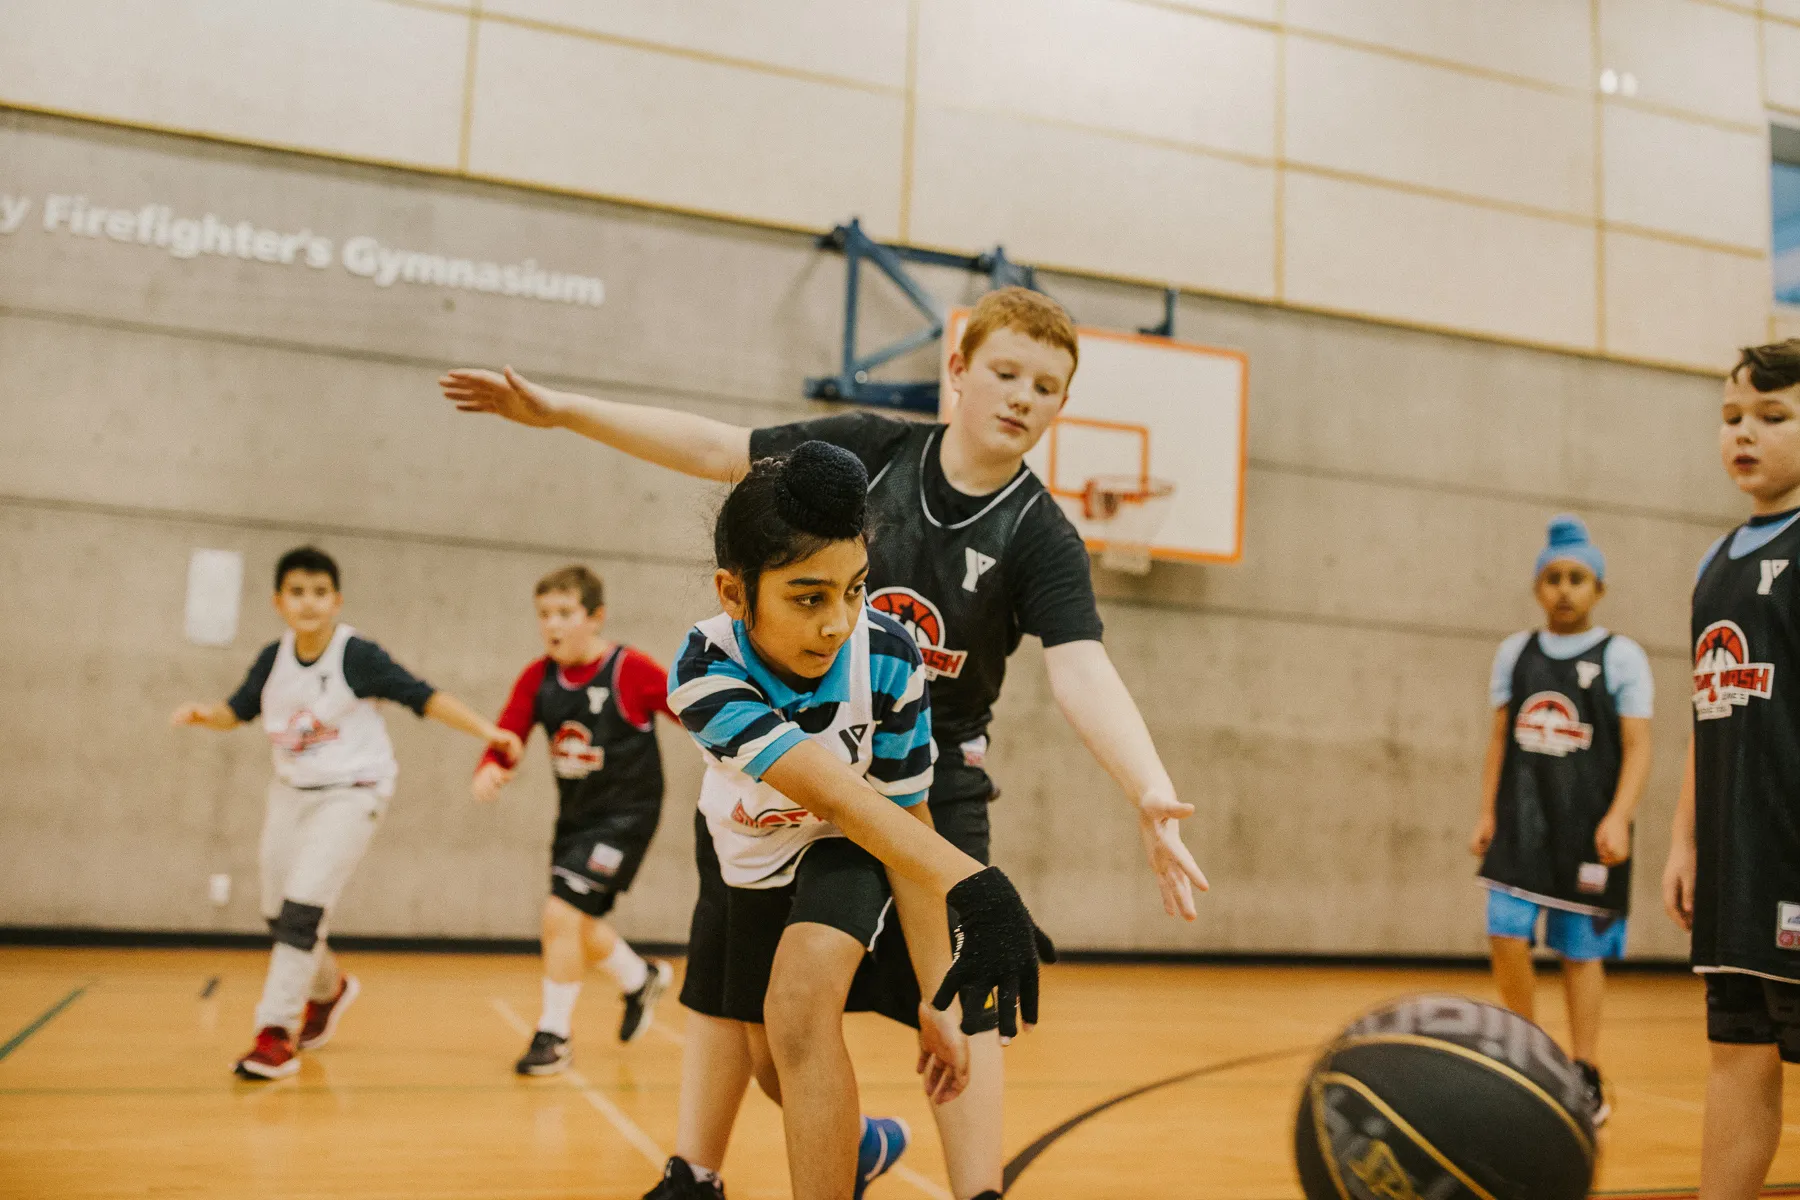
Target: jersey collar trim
999, 496
834, 688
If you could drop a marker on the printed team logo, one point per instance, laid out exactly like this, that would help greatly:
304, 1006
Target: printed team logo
1724, 676
573, 754
1549, 724
304, 732
1787, 926
605, 859
774, 818
923, 620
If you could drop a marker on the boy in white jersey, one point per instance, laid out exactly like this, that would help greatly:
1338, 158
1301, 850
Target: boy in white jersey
334, 772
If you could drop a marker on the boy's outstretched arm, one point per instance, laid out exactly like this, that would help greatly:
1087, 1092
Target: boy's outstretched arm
684, 442
1091, 695
448, 710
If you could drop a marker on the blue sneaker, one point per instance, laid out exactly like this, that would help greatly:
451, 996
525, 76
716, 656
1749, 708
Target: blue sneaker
884, 1140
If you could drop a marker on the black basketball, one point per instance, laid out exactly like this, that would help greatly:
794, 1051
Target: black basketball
1445, 1098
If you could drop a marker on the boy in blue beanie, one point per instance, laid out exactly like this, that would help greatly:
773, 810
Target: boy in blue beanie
1566, 764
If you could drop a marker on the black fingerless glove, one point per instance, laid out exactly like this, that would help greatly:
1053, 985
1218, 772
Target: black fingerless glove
996, 948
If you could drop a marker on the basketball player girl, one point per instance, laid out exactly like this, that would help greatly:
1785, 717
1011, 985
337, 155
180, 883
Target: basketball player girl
597, 703
973, 553
1566, 765
812, 713
1733, 874
315, 691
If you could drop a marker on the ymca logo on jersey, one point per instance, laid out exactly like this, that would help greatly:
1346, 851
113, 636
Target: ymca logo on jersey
1549, 724
1724, 676
923, 620
304, 732
573, 754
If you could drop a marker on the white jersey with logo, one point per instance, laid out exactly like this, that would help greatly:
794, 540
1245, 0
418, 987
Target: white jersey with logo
759, 833
321, 733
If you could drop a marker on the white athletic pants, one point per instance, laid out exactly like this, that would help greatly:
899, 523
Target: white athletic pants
311, 842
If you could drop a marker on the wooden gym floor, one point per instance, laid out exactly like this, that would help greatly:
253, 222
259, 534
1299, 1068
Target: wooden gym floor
114, 1082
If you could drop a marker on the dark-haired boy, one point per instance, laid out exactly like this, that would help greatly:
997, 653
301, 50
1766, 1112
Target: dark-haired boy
597, 702
314, 690
1733, 875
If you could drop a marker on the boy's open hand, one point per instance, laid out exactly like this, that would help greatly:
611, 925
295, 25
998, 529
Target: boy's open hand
1177, 874
190, 714
490, 777
1612, 841
505, 394
943, 1054
507, 743
1483, 836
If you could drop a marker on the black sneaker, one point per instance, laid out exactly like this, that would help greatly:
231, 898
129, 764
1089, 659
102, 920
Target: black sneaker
640, 1005
1600, 1109
548, 1055
678, 1183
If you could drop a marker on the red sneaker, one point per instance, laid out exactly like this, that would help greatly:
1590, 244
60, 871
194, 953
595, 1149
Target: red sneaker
322, 1016
271, 1058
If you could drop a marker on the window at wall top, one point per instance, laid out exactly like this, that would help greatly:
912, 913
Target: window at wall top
1784, 185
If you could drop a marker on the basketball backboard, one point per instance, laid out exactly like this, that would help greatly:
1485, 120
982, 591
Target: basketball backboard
1150, 409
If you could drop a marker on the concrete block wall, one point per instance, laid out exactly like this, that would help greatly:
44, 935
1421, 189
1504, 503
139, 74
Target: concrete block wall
1323, 703
1533, 170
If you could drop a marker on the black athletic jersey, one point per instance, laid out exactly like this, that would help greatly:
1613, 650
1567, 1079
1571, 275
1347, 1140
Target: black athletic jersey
1557, 782
1746, 630
966, 575
603, 760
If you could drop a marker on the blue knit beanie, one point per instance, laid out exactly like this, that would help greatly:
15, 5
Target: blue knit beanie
1569, 539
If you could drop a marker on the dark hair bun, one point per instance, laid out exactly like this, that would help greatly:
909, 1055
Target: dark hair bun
823, 490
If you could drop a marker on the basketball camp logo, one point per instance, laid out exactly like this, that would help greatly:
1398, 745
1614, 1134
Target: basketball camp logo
1549, 724
304, 732
1724, 676
573, 754
923, 620
769, 818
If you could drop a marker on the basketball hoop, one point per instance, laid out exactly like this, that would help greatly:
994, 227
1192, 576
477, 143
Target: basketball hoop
1130, 510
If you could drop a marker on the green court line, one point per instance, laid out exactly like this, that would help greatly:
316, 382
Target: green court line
43, 1019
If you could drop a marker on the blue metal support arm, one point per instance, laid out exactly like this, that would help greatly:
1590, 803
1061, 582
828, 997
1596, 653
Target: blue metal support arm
852, 383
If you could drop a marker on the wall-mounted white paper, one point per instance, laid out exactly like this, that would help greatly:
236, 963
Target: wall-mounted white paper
215, 587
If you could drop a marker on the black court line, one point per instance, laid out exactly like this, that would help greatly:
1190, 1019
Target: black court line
43, 1019
1030, 1154
212, 985
1773, 1189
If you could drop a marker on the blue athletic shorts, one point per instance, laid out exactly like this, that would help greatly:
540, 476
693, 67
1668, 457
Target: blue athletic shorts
1578, 937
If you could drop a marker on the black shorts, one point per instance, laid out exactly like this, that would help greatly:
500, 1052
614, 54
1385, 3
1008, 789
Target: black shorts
1748, 1010
593, 864
735, 931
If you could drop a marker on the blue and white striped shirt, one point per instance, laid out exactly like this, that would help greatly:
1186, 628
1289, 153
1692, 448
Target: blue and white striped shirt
871, 710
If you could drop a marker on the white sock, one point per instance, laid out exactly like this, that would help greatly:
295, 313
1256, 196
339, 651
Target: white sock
627, 969
702, 1174
559, 1007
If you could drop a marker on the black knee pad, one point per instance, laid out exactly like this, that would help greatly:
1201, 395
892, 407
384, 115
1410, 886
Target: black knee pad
298, 925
